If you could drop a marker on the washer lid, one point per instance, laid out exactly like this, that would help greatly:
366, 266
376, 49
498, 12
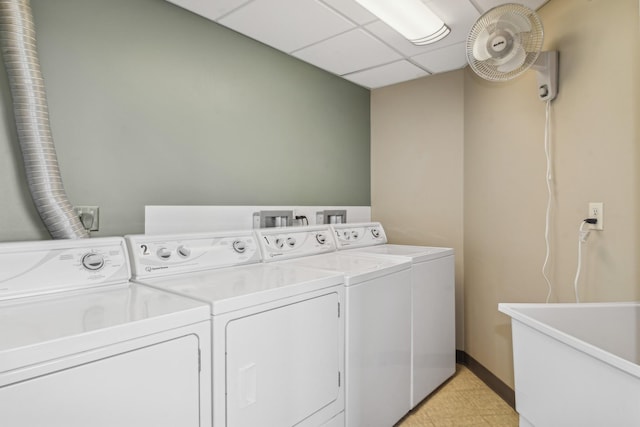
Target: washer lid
416, 253
233, 288
34, 329
356, 268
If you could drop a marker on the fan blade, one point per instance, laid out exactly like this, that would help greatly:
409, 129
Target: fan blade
515, 62
480, 52
514, 22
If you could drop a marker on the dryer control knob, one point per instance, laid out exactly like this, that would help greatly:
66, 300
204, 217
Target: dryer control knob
92, 261
164, 253
291, 241
239, 246
375, 232
183, 251
321, 238
279, 243
346, 235
355, 234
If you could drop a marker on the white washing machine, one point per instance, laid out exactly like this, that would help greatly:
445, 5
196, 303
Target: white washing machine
278, 331
82, 346
433, 347
377, 315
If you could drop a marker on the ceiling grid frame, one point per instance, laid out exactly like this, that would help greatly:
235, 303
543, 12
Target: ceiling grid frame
343, 38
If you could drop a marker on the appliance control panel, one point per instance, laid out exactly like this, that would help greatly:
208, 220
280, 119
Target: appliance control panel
358, 235
294, 242
43, 267
163, 255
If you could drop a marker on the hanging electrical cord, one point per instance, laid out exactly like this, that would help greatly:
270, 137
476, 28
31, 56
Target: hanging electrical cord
547, 151
582, 238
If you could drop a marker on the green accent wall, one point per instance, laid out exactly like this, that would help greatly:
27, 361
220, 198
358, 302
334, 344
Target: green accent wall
153, 105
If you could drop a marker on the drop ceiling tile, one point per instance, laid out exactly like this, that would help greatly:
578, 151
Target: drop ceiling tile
210, 9
442, 60
349, 52
352, 10
386, 75
342, 37
287, 25
490, 4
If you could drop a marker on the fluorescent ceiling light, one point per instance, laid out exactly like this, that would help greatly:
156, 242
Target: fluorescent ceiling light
411, 18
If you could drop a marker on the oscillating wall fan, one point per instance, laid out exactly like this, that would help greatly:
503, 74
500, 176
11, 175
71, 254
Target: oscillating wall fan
506, 41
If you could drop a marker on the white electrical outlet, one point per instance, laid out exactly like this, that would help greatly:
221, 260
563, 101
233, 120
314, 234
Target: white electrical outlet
596, 211
89, 216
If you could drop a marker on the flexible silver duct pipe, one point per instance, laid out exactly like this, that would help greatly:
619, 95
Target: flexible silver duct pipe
18, 40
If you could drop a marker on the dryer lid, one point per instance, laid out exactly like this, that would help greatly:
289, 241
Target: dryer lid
54, 325
234, 288
356, 268
416, 253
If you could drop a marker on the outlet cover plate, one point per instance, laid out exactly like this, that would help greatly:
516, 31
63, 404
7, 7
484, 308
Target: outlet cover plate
85, 213
596, 210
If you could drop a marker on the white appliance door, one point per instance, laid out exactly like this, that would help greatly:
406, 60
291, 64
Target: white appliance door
378, 364
434, 346
153, 386
282, 364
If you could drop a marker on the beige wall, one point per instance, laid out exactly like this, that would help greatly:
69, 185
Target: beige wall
416, 166
596, 156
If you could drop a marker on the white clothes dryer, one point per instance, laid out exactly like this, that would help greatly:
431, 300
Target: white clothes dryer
82, 346
278, 334
433, 352
377, 316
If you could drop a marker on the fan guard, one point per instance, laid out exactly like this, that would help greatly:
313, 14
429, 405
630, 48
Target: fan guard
505, 42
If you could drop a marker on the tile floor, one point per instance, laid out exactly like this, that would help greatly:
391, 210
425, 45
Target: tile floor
464, 400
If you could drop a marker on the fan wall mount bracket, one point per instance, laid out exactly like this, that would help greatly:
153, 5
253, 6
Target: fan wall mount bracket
546, 67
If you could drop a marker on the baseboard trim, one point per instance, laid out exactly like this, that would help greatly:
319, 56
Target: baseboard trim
493, 382
461, 357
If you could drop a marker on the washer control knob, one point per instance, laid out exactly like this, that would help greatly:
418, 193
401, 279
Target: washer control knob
163, 253
279, 243
183, 251
375, 232
355, 234
291, 241
321, 238
346, 235
92, 261
239, 246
